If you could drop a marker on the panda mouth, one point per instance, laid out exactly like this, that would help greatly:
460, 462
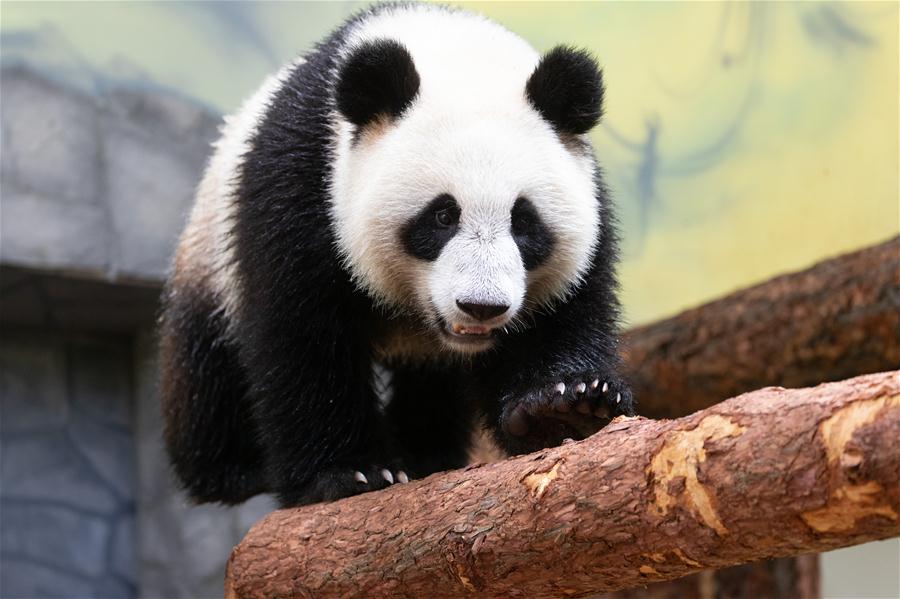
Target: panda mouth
466, 333
469, 331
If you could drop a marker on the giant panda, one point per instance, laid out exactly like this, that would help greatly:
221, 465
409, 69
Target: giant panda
400, 238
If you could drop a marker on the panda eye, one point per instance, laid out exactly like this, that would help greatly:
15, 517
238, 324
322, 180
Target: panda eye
445, 218
519, 224
523, 217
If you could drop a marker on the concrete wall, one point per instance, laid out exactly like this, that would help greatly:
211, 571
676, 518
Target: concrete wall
95, 188
182, 548
67, 475
97, 184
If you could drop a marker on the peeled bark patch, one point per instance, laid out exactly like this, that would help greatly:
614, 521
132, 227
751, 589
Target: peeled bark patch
537, 483
837, 319
678, 460
766, 474
852, 499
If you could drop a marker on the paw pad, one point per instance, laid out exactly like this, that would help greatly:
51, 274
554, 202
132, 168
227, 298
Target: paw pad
582, 403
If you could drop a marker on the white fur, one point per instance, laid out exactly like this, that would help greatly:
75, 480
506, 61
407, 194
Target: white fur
205, 251
472, 133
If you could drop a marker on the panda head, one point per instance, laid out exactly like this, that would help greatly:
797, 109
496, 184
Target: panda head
466, 197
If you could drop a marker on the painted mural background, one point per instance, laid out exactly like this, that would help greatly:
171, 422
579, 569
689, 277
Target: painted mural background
741, 140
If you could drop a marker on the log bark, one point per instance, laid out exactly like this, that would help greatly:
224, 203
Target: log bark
784, 578
771, 473
838, 319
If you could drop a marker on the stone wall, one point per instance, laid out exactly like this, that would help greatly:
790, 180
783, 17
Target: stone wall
67, 472
104, 180
95, 187
182, 548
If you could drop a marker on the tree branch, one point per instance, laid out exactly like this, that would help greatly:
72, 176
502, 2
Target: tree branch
838, 319
771, 473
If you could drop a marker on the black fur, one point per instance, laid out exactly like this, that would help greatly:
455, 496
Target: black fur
431, 418
285, 402
379, 78
424, 236
567, 89
306, 329
534, 239
209, 432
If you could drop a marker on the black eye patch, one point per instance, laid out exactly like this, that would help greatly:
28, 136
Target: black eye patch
426, 234
534, 239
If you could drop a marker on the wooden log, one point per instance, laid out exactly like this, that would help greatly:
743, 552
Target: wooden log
771, 473
838, 319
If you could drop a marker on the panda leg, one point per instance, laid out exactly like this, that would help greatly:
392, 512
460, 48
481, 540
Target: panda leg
210, 442
430, 419
322, 431
324, 441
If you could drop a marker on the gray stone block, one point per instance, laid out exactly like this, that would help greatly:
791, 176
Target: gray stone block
38, 231
97, 183
32, 389
150, 186
22, 577
109, 454
50, 141
123, 552
167, 116
100, 384
46, 467
44, 532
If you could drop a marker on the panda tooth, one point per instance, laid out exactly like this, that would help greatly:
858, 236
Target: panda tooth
560, 388
401, 477
360, 477
388, 476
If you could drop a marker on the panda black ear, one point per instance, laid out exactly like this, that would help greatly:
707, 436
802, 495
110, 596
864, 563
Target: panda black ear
566, 88
378, 78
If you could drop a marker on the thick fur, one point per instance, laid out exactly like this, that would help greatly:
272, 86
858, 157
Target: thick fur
567, 89
316, 249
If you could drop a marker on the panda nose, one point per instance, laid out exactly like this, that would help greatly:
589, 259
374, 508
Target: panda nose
482, 311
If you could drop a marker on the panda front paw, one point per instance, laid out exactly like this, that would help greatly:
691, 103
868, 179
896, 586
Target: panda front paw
573, 407
343, 481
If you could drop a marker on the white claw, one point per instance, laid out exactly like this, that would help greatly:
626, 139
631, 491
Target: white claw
568, 440
580, 387
360, 477
618, 397
595, 384
401, 477
387, 476
560, 388
605, 387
